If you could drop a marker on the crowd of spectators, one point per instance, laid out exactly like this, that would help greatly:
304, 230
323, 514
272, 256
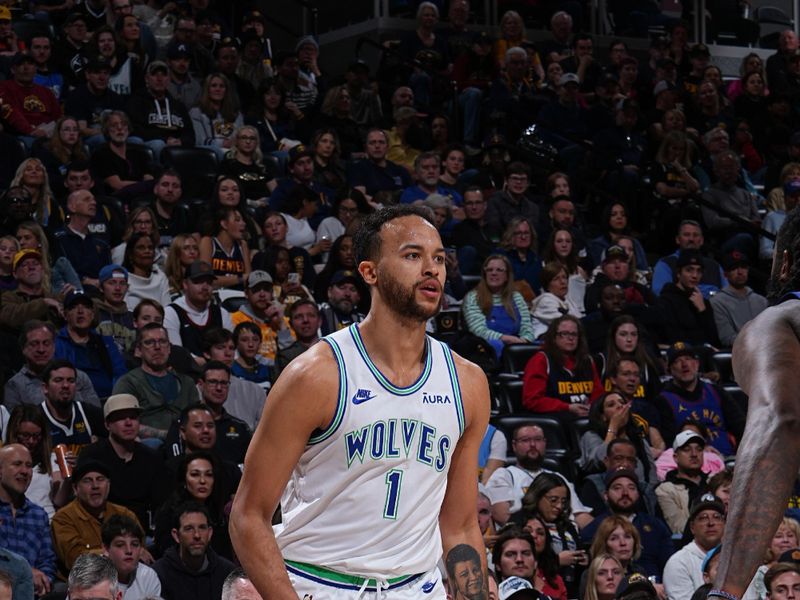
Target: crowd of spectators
147, 306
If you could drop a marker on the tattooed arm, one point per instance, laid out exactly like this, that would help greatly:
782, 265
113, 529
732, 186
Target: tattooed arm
766, 361
462, 543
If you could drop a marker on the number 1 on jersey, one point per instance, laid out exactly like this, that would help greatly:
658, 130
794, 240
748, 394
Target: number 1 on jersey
394, 479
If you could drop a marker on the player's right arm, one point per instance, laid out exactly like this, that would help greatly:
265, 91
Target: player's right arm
766, 362
302, 400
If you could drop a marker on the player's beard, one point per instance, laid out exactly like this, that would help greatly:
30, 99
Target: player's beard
402, 300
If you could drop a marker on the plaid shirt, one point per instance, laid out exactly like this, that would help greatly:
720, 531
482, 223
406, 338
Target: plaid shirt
28, 534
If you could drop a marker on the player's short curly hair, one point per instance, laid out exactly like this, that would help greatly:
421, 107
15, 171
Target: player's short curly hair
367, 240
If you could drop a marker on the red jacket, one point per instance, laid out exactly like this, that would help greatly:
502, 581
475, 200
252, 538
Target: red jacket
27, 107
534, 387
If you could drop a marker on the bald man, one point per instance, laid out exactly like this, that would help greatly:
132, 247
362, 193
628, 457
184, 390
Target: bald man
86, 251
24, 527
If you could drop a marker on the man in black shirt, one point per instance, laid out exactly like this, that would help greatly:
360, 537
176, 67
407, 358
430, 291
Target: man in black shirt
90, 100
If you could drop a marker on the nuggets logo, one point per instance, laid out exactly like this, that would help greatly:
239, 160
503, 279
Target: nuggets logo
33, 104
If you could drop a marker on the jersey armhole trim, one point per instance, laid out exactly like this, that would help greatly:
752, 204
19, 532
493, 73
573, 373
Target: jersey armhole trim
459, 405
341, 402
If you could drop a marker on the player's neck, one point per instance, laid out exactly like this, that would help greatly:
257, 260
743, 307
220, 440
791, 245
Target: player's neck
396, 346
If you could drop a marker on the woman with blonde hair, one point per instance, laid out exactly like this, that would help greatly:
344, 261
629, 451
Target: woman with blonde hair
786, 538
9, 246
245, 164
32, 176
603, 578
183, 251
513, 35
617, 536
59, 275
496, 312
776, 199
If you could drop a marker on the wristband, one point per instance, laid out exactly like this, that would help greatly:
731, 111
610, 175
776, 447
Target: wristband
611, 431
722, 594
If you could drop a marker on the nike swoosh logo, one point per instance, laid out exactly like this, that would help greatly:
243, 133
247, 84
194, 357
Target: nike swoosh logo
428, 587
357, 400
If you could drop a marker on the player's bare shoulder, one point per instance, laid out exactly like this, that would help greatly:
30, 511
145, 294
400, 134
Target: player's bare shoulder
474, 387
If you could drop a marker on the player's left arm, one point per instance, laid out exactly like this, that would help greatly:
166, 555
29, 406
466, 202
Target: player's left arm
458, 519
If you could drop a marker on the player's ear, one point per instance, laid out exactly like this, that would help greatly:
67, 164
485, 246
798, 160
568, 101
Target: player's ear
368, 271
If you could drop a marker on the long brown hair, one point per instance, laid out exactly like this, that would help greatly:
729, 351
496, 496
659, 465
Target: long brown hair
60, 151
583, 361
606, 528
23, 413
483, 295
640, 355
549, 252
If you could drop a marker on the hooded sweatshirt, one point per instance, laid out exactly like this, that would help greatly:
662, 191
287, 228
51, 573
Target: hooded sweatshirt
178, 582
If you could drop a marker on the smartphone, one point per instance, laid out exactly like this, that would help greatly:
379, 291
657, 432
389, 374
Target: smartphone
293, 278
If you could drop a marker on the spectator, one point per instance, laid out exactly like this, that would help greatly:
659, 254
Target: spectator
124, 169
521, 247
427, 167
245, 164
30, 299
76, 527
228, 62
692, 398
69, 49
87, 251
140, 220
512, 201
59, 271
472, 237
689, 237
183, 251
125, 71
249, 364
233, 435
507, 485
114, 318
514, 557
340, 310
253, 68
261, 309
560, 248
89, 102
511, 100
192, 570
344, 137
81, 344
237, 586
172, 217
782, 581
184, 34
494, 311
349, 206
30, 110
64, 146
32, 177
736, 304
305, 321
554, 302
301, 175
604, 577
16, 579
616, 268
24, 526
135, 471
93, 573
689, 315
37, 342
123, 541
616, 224
616, 535
683, 572
226, 250
775, 218
562, 378
182, 85
145, 279
161, 391
285, 271
217, 115
376, 173
228, 195
157, 118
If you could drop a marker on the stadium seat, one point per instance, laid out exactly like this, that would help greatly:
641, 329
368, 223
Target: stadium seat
516, 356
197, 167
557, 443
724, 366
738, 396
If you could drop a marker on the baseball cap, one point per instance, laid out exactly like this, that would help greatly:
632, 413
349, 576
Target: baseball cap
637, 587
686, 436
482, 37
508, 587
569, 78
612, 476
663, 63
258, 278
706, 502
790, 556
226, 42
89, 466
199, 270
5, 13
175, 50
74, 18
699, 50
22, 255
792, 186
250, 36
120, 402
22, 57
298, 152
254, 15
608, 78
735, 259
307, 39
663, 86
343, 276
709, 555
98, 63
405, 112
679, 349
76, 297
357, 65
112, 271
615, 253
689, 257
157, 65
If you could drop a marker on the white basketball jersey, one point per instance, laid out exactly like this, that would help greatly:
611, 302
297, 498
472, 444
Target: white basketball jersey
364, 498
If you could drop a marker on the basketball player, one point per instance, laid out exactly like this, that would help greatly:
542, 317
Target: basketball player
766, 357
372, 439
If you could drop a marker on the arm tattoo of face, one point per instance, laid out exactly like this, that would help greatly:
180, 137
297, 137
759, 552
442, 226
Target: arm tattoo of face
466, 577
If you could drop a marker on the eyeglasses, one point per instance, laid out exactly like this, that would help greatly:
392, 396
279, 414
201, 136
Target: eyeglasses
567, 334
522, 234
217, 382
153, 343
25, 436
